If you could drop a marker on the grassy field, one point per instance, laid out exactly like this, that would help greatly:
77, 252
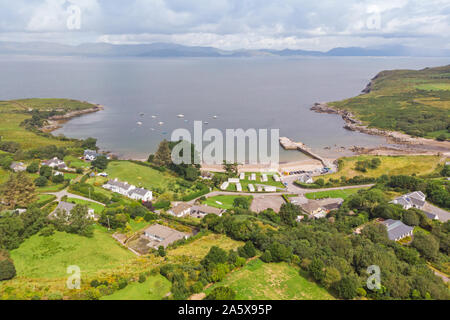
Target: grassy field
197, 249
343, 194
227, 201
390, 165
50, 188
414, 102
271, 281
15, 111
49, 257
139, 175
98, 208
76, 163
155, 288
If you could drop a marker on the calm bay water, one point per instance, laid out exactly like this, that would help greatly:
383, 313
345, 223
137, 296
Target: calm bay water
244, 93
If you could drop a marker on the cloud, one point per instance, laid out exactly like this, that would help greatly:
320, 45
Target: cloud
231, 23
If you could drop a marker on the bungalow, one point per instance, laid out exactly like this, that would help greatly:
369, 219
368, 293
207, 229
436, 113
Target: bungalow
414, 199
140, 194
180, 210
253, 177
203, 210
160, 235
264, 178
233, 180
17, 166
397, 230
270, 189
276, 178
314, 209
260, 189
55, 163
67, 207
305, 178
251, 188
242, 176
90, 155
116, 186
238, 187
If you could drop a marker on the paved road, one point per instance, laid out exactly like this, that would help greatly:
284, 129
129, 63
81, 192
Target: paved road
441, 213
64, 192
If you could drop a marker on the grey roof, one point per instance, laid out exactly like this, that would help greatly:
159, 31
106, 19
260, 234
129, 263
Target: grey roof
430, 215
166, 234
396, 229
304, 177
16, 165
120, 184
416, 195
181, 207
417, 202
206, 209
91, 153
140, 191
65, 207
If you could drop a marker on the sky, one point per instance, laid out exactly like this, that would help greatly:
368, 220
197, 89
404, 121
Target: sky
231, 24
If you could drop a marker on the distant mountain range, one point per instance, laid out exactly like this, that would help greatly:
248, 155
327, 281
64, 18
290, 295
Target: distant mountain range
176, 50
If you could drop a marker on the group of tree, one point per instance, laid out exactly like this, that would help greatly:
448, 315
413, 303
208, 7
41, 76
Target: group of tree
364, 165
18, 191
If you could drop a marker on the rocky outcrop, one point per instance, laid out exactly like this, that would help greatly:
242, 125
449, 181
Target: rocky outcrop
55, 122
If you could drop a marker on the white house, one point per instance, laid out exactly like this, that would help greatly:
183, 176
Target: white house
55, 163
238, 187
270, 188
116, 186
253, 177
90, 155
67, 207
141, 194
397, 230
276, 178
305, 178
180, 210
251, 188
242, 176
18, 166
264, 177
234, 180
414, 199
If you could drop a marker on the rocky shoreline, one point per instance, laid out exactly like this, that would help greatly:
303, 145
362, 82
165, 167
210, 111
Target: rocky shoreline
56, 122
353, 124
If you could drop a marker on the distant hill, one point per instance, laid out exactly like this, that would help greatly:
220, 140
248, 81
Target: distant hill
176, 50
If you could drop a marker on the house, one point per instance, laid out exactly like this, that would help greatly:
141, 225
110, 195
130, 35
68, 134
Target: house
140, 194
117, 186
251, 188
260, 189
397, 230
160, 235
66, 209
332, 206
242, 176
305, 178
431, 216
264, 178
224, 185
58, 173
102, 174
233, 180
276, 178
17, 166
238, 187
253, 177
55, 163
414, 199
180, 210
203, 210
90, 155
299, 218
314, 209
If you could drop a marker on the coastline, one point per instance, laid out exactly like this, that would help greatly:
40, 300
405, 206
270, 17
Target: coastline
56, 122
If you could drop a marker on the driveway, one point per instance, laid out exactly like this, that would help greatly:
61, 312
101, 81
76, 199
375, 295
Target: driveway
64, 192
441, 213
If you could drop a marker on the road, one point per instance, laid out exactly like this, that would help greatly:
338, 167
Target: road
59, 195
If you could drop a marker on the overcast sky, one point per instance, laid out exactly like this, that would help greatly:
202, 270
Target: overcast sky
230, 24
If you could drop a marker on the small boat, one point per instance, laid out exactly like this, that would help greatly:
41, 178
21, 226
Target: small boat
180, 116
161, 123
206, 122
215, 117
153, 117
142, 114
152, 129
139, 123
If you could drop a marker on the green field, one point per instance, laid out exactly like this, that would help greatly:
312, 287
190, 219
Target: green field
76, 163
414, 102
343, 194
138, 175
49, 257
390, 165
98, 208
16, 111
227, 201
271, 281
155, 288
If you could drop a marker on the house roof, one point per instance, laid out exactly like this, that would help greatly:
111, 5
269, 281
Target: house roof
65, 207
91, 153
16, 165
310, 206
396, 228
181, 207
304, 177
167, 234
207, 209
140, 191
430, 215
119, 184
416, 195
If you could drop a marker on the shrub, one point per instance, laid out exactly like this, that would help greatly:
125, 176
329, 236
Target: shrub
221, 293
142, 278
7, 269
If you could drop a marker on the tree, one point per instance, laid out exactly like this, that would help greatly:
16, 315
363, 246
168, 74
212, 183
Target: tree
101, 163
221, 293
317, 269
441, 137
161, 251
247, 250
45, 171
7, 269
347, 287
57, 178
266, 256
41, 181
215, 256
241, 202
231, 169
89, 143
33, 167
19, 191
426, 244
163, 156
288, 213
411, 218
446, 171
78, 221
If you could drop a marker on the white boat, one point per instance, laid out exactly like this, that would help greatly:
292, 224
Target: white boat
206, 122
180, 116
215, 117
153, 117
161, 123
139, 123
